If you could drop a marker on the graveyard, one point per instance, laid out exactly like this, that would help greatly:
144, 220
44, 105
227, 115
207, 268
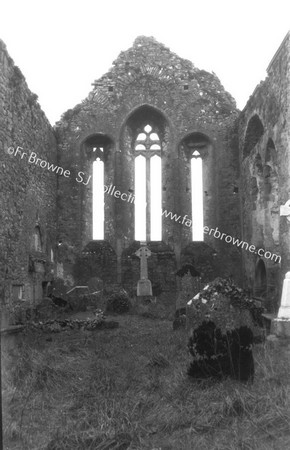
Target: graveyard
140, 374
128, 388
144, 267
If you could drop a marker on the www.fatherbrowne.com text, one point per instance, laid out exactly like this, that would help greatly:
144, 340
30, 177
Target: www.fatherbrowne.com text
185, 220
32, 158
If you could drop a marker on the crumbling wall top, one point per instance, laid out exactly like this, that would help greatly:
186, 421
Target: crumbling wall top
284, 46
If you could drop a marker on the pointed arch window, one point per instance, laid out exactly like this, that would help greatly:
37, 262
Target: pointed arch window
148, 179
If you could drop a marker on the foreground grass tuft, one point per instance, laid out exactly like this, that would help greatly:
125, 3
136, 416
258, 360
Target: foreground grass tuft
127, 388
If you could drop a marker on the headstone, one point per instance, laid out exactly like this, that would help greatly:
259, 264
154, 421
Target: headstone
285, 210
222, 322
189, 287
284, 310
281, 325
144, 287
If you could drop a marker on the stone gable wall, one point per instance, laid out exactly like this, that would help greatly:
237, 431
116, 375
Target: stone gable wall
188, 100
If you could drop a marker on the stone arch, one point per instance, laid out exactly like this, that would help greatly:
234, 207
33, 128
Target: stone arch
143, 115
254, 132
97, 141
145, 111
195, 140
138, 159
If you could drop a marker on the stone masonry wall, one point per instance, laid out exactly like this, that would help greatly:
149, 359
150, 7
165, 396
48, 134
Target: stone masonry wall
28, 191
46, 214
265, 185
149, 80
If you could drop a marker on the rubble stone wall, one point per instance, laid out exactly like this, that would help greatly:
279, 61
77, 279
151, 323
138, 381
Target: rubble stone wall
46, 215
264, 179
28, 191
150, 83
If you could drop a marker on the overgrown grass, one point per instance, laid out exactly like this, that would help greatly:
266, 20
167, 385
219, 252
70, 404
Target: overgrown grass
127, 388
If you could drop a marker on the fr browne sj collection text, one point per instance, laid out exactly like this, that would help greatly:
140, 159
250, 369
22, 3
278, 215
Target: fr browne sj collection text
34, 159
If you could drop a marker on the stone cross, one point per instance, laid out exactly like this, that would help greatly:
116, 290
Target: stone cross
144, 285
285, 210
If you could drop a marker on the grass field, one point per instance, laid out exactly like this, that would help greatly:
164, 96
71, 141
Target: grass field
127, 388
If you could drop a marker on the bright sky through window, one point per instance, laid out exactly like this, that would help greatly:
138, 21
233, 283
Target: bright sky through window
148, 168
140, 198
197, 197
148, 128
98, 200
156, 199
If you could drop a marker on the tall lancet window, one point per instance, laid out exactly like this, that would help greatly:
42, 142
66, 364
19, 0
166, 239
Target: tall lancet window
98, 196
148, 199
96, 173
196, 153
197, 196
155, 199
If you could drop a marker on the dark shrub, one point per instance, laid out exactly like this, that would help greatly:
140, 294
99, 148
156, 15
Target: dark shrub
221, 355
180, 312
179, 322
118, 302
179, 319
78, 303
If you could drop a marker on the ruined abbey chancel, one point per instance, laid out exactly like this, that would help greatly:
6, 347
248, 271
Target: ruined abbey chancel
159, 154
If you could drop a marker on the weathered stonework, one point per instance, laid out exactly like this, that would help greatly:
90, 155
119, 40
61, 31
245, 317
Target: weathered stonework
148, 83
264, 136
46, 223
28, 192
